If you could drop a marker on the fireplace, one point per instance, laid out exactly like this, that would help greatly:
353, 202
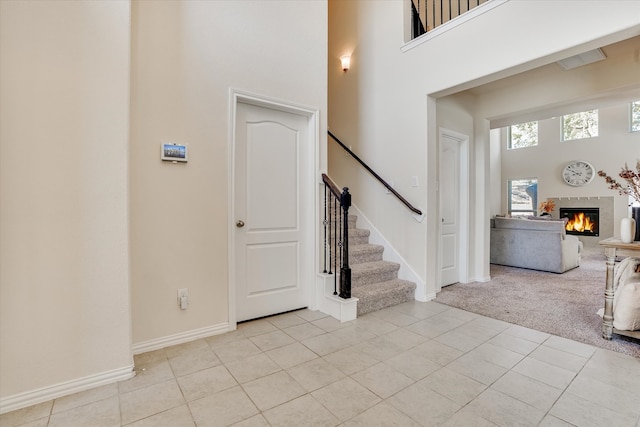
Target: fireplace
582, 221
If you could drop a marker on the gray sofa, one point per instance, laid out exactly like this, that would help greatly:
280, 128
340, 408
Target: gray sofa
537, 244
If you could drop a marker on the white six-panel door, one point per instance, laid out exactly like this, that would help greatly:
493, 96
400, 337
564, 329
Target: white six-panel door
271, 214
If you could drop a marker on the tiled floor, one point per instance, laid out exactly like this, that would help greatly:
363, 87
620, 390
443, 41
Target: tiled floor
417, 364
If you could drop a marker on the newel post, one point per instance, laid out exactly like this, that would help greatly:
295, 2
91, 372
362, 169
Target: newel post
345, 270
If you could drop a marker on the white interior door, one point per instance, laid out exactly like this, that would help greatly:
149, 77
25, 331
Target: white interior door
271, 250
449, 210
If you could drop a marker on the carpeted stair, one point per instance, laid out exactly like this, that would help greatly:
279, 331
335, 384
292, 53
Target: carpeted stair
374, 281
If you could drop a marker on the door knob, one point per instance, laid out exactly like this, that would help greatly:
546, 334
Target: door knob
239, 223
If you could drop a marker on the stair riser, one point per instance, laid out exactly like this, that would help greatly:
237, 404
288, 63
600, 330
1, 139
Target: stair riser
365, 257
369, 303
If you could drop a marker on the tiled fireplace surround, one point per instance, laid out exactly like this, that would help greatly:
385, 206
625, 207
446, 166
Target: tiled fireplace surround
605, 204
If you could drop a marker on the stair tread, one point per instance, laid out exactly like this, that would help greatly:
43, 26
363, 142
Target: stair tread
373, 267
375, 288
364, 248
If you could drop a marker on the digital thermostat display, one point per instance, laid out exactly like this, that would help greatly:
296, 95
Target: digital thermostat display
173, 153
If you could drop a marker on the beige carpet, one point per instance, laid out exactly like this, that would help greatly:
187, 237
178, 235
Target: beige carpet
560, 304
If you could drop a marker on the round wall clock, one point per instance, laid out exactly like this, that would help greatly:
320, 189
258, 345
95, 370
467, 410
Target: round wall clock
578, 172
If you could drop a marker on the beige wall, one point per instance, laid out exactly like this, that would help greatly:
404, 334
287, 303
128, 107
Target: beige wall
64, 256
186, 58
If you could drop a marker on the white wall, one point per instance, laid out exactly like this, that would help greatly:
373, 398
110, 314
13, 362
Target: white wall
64, 256
383, 105
187, 55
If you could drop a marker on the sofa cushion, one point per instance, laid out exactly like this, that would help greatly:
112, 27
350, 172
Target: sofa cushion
530, 224
626, 306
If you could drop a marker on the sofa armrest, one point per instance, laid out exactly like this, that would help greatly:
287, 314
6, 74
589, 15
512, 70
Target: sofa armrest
571, 252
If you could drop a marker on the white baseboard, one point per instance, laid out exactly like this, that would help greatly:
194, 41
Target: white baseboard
33, 397
180, 338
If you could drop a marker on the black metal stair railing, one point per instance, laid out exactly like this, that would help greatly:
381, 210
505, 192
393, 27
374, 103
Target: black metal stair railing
336, 236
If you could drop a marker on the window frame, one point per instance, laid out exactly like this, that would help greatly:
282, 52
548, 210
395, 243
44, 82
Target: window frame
562, 126
510, 136
534, 199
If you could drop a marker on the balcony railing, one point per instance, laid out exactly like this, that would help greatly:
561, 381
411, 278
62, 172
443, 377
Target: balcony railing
429, 14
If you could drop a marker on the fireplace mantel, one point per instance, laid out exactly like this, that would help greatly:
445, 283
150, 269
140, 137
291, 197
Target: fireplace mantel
604, 203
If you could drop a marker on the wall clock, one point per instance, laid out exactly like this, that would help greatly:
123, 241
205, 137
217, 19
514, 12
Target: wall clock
578, 172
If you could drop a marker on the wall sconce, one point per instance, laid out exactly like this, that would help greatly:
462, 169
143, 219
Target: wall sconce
346, 62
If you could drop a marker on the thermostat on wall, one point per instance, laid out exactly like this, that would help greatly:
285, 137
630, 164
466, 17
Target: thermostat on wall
173, 153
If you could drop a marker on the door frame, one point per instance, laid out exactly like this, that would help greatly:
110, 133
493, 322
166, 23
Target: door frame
463, 204
310, 167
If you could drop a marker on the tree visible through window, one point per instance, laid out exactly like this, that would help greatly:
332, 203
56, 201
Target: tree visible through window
523, 135
523, 197
580, 125
635, 116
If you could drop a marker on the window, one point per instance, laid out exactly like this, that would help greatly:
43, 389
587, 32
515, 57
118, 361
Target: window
523, 135
523, 197
580, 125
635, 116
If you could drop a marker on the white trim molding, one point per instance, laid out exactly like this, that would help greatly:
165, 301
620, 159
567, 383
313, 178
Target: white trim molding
33, 397
181, 338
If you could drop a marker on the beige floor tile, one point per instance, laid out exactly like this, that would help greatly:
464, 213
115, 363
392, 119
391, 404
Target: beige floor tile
223, 408
84, 397
544, 372
380, 348
149, 357
346, 398
273, 390
256, 327
374, 324
103, 413
216, 341
421, 310
513, 343
310, 315
504, 410
465, 417
607, 395
176, 417
148, 401
25, 415
315, 373
424, 405
527, 334
185, 348
454, 386
325, 344
475, 367
194, 361
459, 340
383, 380
236, 350
395, 317
437, 352
551, 421
381, 415
271, 340
291, 355
252, 367
535, 393
350, 360
255, 421
304, 331
433, 327
497, 355
303, 411
331, 324
206, 382
405, 339
559, 358
286, 320
457, 313
148, 374
413, 364
581, 412
614, 369
573, 347
353, 334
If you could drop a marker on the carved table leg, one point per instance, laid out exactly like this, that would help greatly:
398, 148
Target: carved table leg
607, 318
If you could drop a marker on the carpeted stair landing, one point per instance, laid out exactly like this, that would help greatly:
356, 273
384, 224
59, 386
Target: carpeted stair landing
374, 281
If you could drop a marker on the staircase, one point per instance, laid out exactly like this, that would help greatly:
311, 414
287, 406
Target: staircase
374, 281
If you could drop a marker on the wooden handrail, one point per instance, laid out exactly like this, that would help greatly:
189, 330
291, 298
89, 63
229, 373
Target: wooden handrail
382, 181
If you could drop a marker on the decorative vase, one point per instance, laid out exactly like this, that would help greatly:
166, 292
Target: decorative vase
635, 214
627, 230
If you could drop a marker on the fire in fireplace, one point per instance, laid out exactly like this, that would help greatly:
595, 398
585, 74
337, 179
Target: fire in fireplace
581, 221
